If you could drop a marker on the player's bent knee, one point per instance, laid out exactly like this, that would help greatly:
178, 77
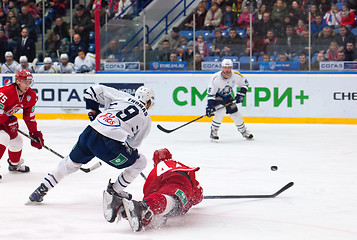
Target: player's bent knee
139, 164
16, 144
4, 138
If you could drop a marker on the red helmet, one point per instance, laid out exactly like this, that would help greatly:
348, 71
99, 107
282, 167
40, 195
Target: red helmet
161, 155
23, 74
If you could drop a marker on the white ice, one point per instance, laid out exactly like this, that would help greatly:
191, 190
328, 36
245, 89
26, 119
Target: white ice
319, 159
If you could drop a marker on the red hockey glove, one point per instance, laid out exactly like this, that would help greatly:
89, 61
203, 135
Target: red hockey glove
39, 139
11, 126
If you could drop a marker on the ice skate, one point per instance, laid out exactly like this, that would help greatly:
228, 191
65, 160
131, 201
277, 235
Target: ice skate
138, 214
18, 167
214, 136
39, 193
113, 204
247, 134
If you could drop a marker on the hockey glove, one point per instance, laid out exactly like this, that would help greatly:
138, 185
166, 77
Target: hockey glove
240, 97
38, 141
210, 108
93, 114
11, 126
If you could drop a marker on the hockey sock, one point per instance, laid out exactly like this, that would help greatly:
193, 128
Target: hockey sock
14, 157
129, 174
160, 204
64, 168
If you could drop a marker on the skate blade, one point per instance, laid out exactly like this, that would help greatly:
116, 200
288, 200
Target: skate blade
133, 220
30, 203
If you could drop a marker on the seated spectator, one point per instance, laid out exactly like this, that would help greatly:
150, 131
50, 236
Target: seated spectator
173, 38
202, 46
304, 63
64, 46
173, 57
26, 20
325, 5
347, 17
341, 56
320, 58
74, 46
258, 16
257, 43
150, 55
198, 63
82, 23
229, 18
266, 58
32, 8
59, 7
234, 44
182, 47
213, 17
111, 53
332, 51
10, 65
14, 32
344, 36
47, 66
84, 63
282, 57
350, 52
24, 64
52, 45
333, 17
125, 11
200, 15
2, 17
300, 27
296, 13
3, 45
324, 39
188, 54
290, 42
61, 28
134, 55
164, 53
318, 24
218, 42
278, 14
244, 18
270, 42
64, 66
261, 27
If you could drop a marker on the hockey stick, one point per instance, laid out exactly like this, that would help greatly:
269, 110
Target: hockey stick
86, 170
287, 186
194, 120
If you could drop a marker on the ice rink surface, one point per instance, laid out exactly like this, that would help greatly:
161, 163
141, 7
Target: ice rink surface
320, 159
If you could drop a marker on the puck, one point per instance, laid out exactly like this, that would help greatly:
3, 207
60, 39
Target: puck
274, 168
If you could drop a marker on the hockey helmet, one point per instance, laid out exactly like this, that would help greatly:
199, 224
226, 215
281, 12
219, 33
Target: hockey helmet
227, 63
161, 155
145, 95
23, 74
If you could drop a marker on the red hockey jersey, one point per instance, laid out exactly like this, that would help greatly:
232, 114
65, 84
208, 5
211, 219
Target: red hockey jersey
11, 103
165, 172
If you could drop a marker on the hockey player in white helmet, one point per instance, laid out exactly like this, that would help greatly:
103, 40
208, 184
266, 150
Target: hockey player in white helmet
219, 93
113, 136
47, 66
64, 66
24, 64
10, 66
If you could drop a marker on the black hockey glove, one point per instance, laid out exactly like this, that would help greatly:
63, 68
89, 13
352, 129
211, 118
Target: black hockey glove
210, 108
240, 97
93, 114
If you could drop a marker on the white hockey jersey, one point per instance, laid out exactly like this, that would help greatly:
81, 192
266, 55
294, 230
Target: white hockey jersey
69, 68
86, 65
29, 67
42, 69
124, 119
224, 87
9, 68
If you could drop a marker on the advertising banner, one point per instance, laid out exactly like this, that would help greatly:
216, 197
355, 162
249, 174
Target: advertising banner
164, 66
121, 66
216, 66
288, 65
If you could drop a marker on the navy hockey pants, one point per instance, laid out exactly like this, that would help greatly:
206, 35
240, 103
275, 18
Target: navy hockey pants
92, 144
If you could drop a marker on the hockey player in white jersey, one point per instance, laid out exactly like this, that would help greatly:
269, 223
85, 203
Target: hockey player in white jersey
64, 66
47, 66
10, 66
113, 136
24, 64
219, 93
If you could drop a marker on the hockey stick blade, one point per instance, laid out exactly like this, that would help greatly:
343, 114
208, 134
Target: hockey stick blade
169, 131
287, 186
92, 168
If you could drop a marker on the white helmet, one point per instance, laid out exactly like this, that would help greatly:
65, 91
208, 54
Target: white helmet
145, 95
227, 63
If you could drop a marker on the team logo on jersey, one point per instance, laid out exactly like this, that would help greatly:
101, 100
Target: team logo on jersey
108, 120
2, 106
182, 196
28, 97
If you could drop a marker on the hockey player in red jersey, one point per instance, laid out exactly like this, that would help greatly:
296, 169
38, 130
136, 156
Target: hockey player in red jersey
171, 189
14, 97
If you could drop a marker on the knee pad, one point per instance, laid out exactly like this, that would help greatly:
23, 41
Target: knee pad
16, 144
4, 138
138, 166
65, 167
